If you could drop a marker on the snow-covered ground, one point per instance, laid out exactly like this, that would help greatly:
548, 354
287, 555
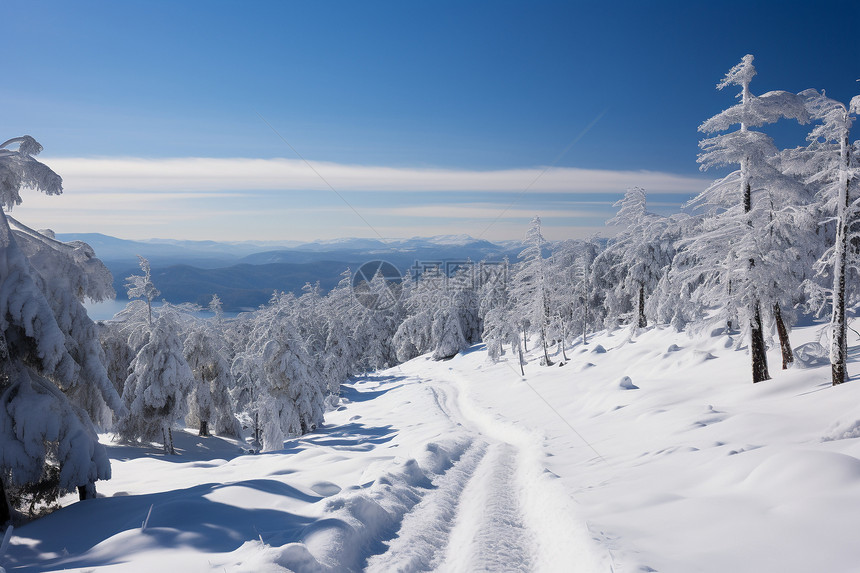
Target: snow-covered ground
465, 465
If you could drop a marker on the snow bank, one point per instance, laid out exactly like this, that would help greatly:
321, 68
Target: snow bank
466, 465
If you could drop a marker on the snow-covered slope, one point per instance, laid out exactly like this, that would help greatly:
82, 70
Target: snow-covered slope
647, 451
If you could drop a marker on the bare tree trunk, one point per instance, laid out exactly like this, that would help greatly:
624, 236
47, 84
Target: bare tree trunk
758, 351
164, 440
5, 508
784, 342
563, 353
838, 321
87, 491
525, 339
839, 334
643, 322
584, 320
170, 435
204, 428
548, 362
522, 370
757, 348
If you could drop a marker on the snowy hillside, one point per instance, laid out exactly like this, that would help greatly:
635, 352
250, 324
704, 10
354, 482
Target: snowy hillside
647, 451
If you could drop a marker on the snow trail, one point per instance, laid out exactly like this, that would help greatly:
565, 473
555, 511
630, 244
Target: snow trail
495, 509
490, 534
426, 529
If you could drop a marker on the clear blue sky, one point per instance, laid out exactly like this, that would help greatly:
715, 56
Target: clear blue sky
460, 87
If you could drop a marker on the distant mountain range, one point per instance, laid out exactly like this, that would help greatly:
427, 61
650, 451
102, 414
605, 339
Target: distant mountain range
244, 274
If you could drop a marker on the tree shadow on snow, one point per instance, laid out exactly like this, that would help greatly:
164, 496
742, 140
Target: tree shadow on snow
474, 348
189, 448
182, 518
352, 435
378, 378
352, 394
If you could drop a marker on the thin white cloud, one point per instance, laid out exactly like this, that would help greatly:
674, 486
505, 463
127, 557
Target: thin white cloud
486, 211
231, 174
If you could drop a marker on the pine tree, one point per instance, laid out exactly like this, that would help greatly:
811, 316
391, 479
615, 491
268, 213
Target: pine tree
829, 164
745, 220
530, 292
140, 286
639, 252
283, 387
210, 399
156, 390
51, 371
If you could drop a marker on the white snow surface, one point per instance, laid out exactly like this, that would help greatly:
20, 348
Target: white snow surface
465, 465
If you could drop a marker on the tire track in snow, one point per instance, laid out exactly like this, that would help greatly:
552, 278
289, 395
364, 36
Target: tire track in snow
473, 521
424, 532
555, 538
494, 509
489, 534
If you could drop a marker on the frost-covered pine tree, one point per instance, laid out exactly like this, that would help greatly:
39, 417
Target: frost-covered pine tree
740, 200
829, 164
286, 391
157, 388
493, 295
639, 252
441, 314
118, 352
68, 274
141, 286
672, 301
530, 292
342, 348
210, 400
376, 327
573, 301
50, 369
499, 325
414, 334
216, 307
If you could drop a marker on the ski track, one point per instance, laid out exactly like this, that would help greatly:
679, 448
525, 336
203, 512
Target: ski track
476, 516
426, 529
489, 534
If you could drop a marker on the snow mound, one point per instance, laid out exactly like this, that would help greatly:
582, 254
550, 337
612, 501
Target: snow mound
801, 470
692, 358
598, 349
625, 383
843, 432
811, 354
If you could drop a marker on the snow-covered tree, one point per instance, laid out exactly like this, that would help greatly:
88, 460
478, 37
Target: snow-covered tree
141, 286
68, 274
285, 389
672, 301
441, 314
342, 348
210, 399
639, 252
499, 325
375, 327
741, 202
51, 371
217, 309
530, 292
829, 164
156, 390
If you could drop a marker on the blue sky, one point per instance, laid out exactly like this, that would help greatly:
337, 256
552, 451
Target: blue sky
404, 107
